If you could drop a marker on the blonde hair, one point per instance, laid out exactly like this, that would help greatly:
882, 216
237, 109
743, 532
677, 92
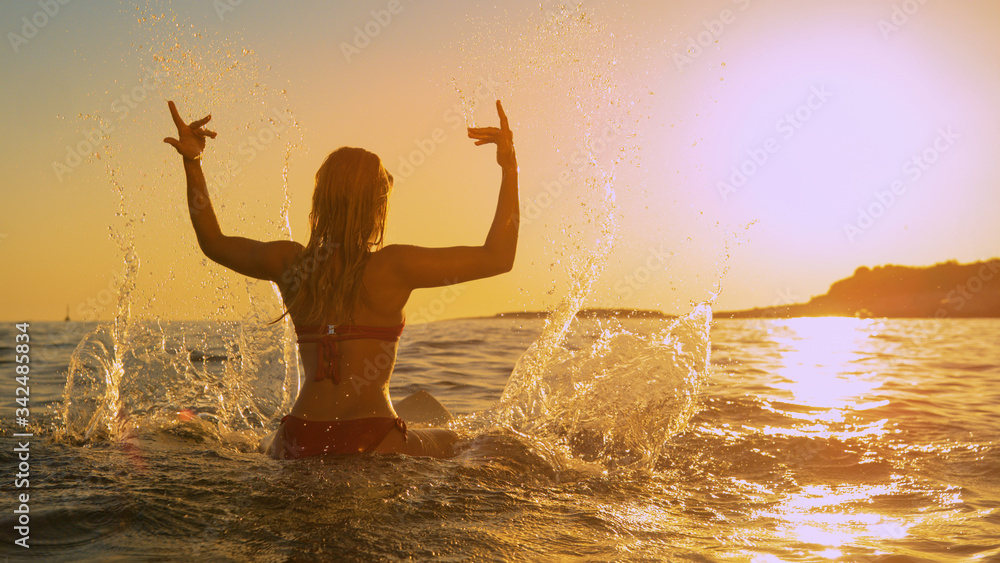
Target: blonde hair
347, 222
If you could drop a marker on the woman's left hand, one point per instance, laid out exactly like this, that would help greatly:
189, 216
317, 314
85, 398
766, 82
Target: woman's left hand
502, 137
191, 137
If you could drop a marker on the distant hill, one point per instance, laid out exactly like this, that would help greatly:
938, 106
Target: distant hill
942, 290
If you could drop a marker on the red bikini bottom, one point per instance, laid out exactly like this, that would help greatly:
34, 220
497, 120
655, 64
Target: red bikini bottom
297, 438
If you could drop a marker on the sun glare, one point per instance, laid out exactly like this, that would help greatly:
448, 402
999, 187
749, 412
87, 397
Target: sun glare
810, 122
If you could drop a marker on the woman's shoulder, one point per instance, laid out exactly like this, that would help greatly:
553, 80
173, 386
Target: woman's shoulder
391, 250
289, 246
385, 257
382, 276
284, 254
288, 250
393, 253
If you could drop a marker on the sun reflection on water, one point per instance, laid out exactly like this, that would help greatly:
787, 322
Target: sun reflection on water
817, 356
821, 369
821, 455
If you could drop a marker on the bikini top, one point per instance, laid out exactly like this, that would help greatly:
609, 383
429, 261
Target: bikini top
330, 335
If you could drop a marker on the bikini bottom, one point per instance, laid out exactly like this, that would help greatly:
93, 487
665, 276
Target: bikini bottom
297, 437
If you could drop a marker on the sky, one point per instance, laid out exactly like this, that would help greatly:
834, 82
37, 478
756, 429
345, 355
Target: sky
669, 151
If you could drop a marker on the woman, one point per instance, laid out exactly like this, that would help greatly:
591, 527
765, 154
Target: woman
345, 292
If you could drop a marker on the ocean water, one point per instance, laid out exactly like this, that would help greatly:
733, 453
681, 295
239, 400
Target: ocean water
817, 439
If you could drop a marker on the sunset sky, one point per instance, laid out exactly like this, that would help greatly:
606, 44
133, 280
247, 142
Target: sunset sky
765, 147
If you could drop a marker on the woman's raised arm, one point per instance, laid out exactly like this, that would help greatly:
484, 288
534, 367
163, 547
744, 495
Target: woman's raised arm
502, 238
256, 259
431, 267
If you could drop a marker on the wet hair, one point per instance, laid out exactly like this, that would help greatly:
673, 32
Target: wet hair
347, 223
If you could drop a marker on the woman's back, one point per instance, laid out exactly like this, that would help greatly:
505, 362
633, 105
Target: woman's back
345, 292
363, 364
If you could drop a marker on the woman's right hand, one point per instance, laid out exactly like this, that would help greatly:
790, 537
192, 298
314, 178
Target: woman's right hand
191, 137
503, 137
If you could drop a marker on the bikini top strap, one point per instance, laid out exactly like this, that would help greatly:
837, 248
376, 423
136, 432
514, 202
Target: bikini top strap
351, 332
328, 350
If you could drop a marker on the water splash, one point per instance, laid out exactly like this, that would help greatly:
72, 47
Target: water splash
133, 372
612, 394
160, 375
92, 401
605, 392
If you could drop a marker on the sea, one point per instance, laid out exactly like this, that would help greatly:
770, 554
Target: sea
603, 439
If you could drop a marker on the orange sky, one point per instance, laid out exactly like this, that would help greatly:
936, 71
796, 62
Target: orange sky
789, 142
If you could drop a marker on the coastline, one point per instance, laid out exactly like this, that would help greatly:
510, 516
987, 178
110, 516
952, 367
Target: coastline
944, 290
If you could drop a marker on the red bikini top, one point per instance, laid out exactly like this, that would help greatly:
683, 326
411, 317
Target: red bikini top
330, 335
